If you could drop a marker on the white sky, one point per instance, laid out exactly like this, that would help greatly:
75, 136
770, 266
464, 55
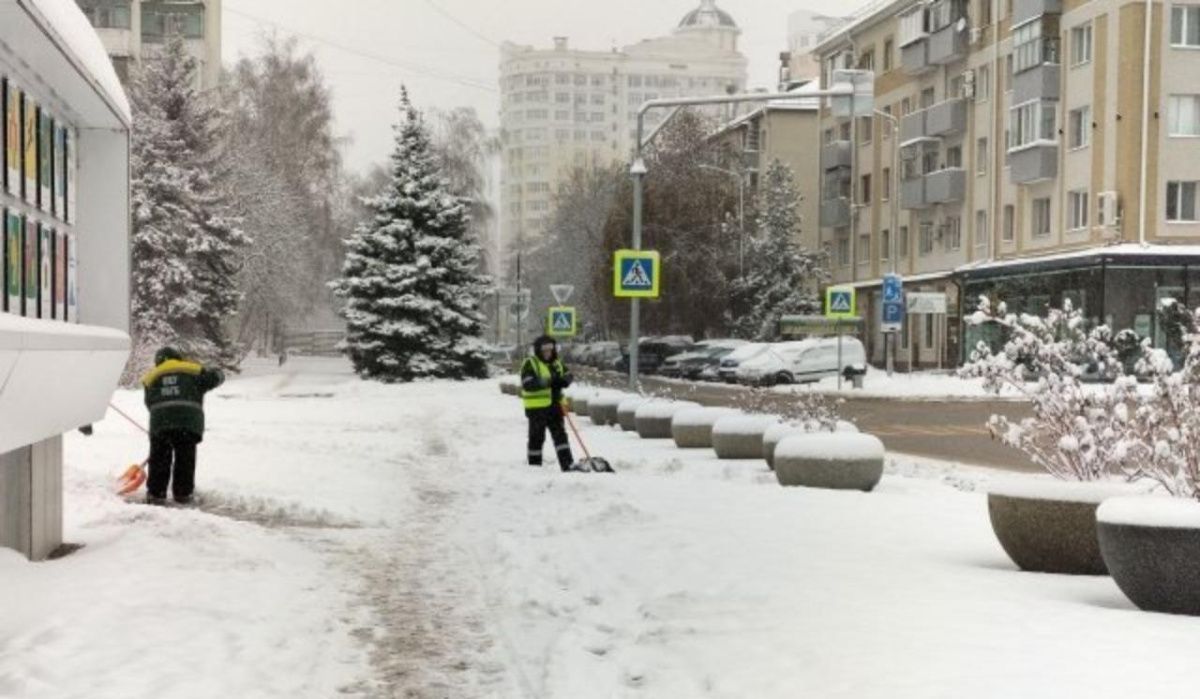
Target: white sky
447, 52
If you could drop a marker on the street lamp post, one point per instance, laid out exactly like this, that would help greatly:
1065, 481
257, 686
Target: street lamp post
638, 172
741, 179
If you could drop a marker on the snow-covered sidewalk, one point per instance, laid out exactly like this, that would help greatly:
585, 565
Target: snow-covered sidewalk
366, 540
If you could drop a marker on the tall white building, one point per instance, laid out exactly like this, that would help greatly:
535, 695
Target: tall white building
805, 30
129, 28
563, 107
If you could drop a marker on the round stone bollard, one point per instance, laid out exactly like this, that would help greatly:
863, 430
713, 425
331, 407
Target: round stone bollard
741, 436
838, 461
510, 386
603, 408
627, 412
653, 418
692, 428
776, 434
579, 401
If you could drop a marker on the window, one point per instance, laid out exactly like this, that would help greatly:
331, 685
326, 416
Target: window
889, 49
956, 86
866, 126
902, 243
1077, 209
981, 156
864, 190
1185, 25
888, 126
953, 229
843, 251
1008, 72
926, 241
161, 20
983, 83
107, 14
1035, 43
929, 162
867, 60
1081, 44
1183, 115
1010, 223
885, 244
914, 26
1040, 225
1079, 127
954, 157
906, 106
885, 186
1181, 201
985, 12
981, 229
844, 130
928, 97
1032, 122
864, 248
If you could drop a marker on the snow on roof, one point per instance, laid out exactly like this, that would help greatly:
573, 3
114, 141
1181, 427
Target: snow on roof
78, 39
1119, 250
863, 17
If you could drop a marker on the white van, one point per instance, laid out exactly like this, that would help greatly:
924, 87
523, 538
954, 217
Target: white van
730, 363
803, 361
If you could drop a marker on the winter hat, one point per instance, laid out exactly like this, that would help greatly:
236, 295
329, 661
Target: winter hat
166, 354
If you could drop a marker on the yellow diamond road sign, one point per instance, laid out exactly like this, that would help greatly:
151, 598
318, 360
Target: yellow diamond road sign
636, 274
561, 321
840, 302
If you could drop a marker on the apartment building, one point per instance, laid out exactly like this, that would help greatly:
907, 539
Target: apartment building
129, 28
787, 131
1047, 150
564, 107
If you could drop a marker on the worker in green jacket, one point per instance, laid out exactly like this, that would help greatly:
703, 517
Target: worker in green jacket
543, 378
175, 391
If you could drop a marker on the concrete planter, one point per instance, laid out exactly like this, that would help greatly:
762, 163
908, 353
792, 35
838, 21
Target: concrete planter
773, 436
693, 428
653, 418
740, 436
1151, 546
579, 402
838, 461
627, 413
510, 387
1050, 527
602, 409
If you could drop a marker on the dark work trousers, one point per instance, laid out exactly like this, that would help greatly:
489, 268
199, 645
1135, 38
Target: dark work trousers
172, 450
551, 419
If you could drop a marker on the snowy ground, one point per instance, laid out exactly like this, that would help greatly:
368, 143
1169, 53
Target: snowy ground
375, 541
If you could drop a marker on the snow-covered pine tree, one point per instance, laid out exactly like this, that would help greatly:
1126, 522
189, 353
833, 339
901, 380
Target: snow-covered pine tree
781, 278
410, 280
184, 245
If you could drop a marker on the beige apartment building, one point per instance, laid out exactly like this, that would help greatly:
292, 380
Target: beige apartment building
787, 131
562, 107
128, 28
1047, 150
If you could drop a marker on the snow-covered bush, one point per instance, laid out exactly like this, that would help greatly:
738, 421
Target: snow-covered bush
812, 411
1076, 432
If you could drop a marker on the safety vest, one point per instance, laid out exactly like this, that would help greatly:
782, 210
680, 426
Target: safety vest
542, 397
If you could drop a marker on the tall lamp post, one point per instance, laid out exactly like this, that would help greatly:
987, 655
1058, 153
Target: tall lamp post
741, 180
638, 170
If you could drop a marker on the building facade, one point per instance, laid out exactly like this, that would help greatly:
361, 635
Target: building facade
1046, 150
562, 108
129, 28
805, 30
64, 311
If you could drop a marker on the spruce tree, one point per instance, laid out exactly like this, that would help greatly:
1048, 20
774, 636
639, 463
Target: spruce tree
781, 278
185, 244
410, 279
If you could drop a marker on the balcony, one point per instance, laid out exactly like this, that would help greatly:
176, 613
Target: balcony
912, 194
947, 186
1038, 83
1034, 163
947, 45
1025, 10
835, 213
835, 155
912, 126
946, 118
915, 58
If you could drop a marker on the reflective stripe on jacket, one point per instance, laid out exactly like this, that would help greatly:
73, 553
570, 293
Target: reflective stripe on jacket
536, 375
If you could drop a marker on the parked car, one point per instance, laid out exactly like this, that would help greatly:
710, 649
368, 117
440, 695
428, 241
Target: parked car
604, 353
689, 365
653, 351
727, 371
804, 361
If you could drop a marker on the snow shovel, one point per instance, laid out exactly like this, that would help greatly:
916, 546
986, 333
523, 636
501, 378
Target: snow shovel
132, 479
592, 464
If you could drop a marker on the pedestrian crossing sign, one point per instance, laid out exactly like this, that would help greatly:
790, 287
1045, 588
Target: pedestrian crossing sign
561, 321
840, 302
636, 274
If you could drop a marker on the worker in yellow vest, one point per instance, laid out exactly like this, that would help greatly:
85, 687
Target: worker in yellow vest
543, 378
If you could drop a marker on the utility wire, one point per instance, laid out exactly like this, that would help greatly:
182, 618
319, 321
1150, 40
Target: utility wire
417, 68
463, 25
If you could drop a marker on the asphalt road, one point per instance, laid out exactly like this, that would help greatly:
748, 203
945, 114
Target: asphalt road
940, 429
